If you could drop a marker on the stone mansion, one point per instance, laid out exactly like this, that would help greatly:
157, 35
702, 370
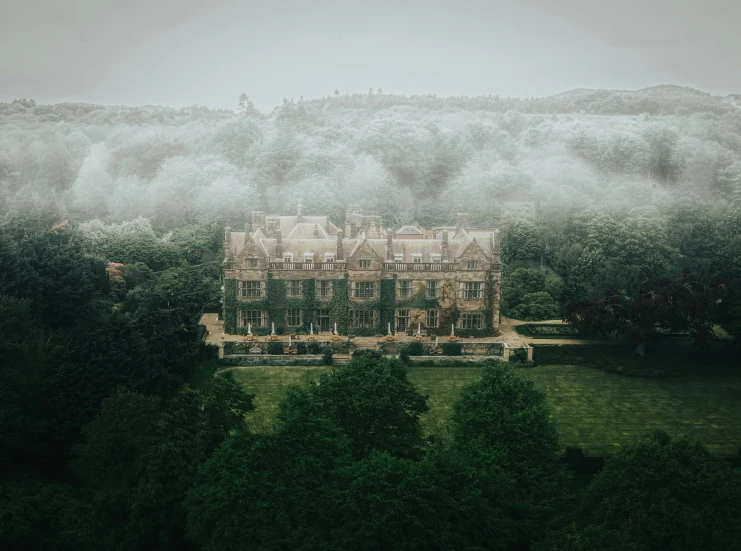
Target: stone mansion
302, 272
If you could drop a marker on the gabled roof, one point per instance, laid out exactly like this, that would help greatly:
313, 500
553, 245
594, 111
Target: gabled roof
409, 230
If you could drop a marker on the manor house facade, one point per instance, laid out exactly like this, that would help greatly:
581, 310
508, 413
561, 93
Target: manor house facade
301, 272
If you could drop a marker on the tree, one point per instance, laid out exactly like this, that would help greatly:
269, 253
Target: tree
375, 405
501, 428
677, 303
665, 493
270, 491
385, 502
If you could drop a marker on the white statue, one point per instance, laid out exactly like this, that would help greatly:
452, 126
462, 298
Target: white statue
272, 328
452, 330
335, 328
389, 330
249, 329
311, 329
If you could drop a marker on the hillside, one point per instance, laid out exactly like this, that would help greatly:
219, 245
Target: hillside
415, 158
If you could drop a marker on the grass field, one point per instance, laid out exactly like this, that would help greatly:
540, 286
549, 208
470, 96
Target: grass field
592, 409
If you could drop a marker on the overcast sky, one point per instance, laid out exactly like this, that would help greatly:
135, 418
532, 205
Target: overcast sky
206, 52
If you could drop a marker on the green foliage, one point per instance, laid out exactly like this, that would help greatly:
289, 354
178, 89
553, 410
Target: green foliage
230, 306
535, 306
664, 493
531, 294
327, 355
504, 413
308, 288
340, 305
275, 347
452, 348
375, 405
387, 310
371, 354
235, 499
415, 348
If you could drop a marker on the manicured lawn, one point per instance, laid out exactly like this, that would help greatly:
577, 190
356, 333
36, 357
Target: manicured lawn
592, 409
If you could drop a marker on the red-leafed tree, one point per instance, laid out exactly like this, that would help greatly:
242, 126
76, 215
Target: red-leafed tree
671, 304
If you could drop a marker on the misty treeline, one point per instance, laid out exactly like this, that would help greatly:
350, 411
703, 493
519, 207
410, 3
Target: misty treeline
601, 189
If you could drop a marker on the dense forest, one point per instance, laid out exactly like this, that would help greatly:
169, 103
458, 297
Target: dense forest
114, 433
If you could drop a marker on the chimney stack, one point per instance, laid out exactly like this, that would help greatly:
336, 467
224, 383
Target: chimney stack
340, 251
279, 246
445, 246
389, 244
299, 215
461, 220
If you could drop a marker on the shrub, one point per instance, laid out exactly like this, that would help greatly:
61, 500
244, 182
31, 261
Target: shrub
327, 357
536, 306
452, 348
301, 348
373, 354
275, 347
280, 330
404, 355
315, 348
415, 348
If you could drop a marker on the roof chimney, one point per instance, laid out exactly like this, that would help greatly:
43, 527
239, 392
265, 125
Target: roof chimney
389, 244
461, 220
299, 215
445, 246
340, 252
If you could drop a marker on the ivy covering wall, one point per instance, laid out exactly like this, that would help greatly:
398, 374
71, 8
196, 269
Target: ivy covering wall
340, 305
388, 304
230, 306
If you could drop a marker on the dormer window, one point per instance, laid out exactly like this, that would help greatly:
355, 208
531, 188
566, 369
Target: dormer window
287, 257
417, 258
436, 258
308, 258
329, 257
398, 257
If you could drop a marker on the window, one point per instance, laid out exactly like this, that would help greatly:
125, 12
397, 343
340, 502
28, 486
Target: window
436, 258
398, 257
472, 320
365, 264
252, 263
433, 289
293, 288
308, 258
364, 289
472, 289
255, 318
287, 257
417, 259
324, 288
293, 317
433, 318
329, 257
251, 289
364, 319
402, 319
472, 265
404, 288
